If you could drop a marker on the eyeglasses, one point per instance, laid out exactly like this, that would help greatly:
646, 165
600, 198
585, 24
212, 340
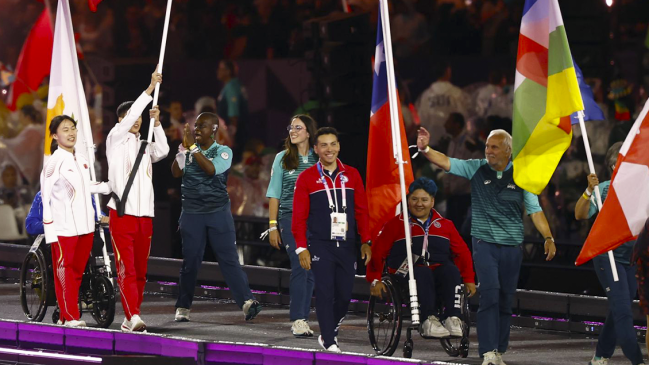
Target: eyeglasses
298, 128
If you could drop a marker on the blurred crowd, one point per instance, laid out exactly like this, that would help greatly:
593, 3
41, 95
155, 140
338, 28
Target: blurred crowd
267, 29
459, 118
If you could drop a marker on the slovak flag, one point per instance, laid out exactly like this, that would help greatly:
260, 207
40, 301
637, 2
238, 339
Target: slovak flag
383, 183
626, 207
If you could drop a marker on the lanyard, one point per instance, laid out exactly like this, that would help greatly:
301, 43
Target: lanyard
334, 207
427, 224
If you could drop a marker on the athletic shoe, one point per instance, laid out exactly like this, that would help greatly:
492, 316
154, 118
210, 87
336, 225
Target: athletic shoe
301, 329
433, 328
75, 323
598, 361
454, 326
126, 325
500, 358
332, 348
251, 308
491, 358
137, 324
182, 315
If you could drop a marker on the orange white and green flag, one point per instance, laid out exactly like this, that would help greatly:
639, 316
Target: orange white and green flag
546, 94
66, 95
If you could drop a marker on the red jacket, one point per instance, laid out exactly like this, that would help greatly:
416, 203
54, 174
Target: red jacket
444, 245
311, 206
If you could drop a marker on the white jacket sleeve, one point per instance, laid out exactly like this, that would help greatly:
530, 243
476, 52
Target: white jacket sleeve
121, 129
100, 188
49, 176
159, 148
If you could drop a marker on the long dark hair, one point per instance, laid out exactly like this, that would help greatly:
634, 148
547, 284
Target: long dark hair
290, 160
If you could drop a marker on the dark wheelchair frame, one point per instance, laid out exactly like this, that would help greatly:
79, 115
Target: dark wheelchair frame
96, 293
385, 317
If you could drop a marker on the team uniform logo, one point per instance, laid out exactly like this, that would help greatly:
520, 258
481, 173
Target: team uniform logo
487, 182
225, 155
344, 179
511, 186
437, 224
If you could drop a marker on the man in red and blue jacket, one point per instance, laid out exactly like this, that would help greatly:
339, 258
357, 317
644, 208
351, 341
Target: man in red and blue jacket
441, 258
330, 202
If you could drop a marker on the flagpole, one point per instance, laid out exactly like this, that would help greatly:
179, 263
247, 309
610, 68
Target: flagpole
598, 197
398, 155
160, 62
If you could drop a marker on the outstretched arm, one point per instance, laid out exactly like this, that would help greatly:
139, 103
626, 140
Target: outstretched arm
436, 157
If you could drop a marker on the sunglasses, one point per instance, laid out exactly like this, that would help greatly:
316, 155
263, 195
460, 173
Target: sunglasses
298, 128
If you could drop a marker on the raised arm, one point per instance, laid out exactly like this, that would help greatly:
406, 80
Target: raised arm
159, 148
582, 208
436, 157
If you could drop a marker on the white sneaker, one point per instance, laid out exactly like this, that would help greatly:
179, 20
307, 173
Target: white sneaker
182, 315
137, 324
126, 325
433, 328
491, 358
301, 328
75, 323
500, 358
598, 361
332, 348
251, 308
454, 326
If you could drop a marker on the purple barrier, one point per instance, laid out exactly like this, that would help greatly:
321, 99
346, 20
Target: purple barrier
29, 336
41, 336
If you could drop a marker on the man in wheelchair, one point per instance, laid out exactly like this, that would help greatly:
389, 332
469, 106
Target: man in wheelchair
442, 260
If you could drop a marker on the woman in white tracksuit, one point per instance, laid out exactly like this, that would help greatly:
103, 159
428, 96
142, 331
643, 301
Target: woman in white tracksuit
66, 192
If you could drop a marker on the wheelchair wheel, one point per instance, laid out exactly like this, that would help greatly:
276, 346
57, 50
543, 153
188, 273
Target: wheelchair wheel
103, 301
34, 286
384, 320
459, 346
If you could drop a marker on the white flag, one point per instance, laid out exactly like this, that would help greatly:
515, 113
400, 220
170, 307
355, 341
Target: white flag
66, 94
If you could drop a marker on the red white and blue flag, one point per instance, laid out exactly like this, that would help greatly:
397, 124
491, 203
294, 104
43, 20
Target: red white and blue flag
382, 185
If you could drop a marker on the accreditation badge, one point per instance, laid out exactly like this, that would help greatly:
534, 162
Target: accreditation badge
338, 226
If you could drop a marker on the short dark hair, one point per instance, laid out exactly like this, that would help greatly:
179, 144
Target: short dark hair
33, 114
209, 117
56, 121
326, 130
231, 66
424, 183
123, 108
457, 118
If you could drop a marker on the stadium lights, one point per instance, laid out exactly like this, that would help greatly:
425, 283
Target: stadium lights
609, 3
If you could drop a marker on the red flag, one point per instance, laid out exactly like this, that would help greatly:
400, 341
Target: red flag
93, 5
34, 60
383, 183
627, 205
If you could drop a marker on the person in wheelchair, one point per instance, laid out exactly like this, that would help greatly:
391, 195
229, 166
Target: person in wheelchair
442, 260
65, 192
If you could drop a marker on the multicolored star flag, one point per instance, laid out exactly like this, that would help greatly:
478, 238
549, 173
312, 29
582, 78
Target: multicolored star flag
66, 94
383, 182
546, 94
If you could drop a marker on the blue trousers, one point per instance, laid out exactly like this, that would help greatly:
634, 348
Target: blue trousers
218, 229
334, 268
302, 281
497, 267
618, 327
444, 281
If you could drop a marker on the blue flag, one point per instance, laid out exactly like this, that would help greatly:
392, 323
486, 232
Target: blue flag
592, 111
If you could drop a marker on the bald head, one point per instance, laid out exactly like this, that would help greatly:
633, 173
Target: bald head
210, 118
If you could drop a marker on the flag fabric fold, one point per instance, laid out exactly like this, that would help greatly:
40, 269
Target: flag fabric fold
592, 111
34, 60
626, 207
546, 94
92, 4
66, 95
383, 182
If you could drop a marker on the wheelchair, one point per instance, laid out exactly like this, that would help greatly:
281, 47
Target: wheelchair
385, 319
96, 293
